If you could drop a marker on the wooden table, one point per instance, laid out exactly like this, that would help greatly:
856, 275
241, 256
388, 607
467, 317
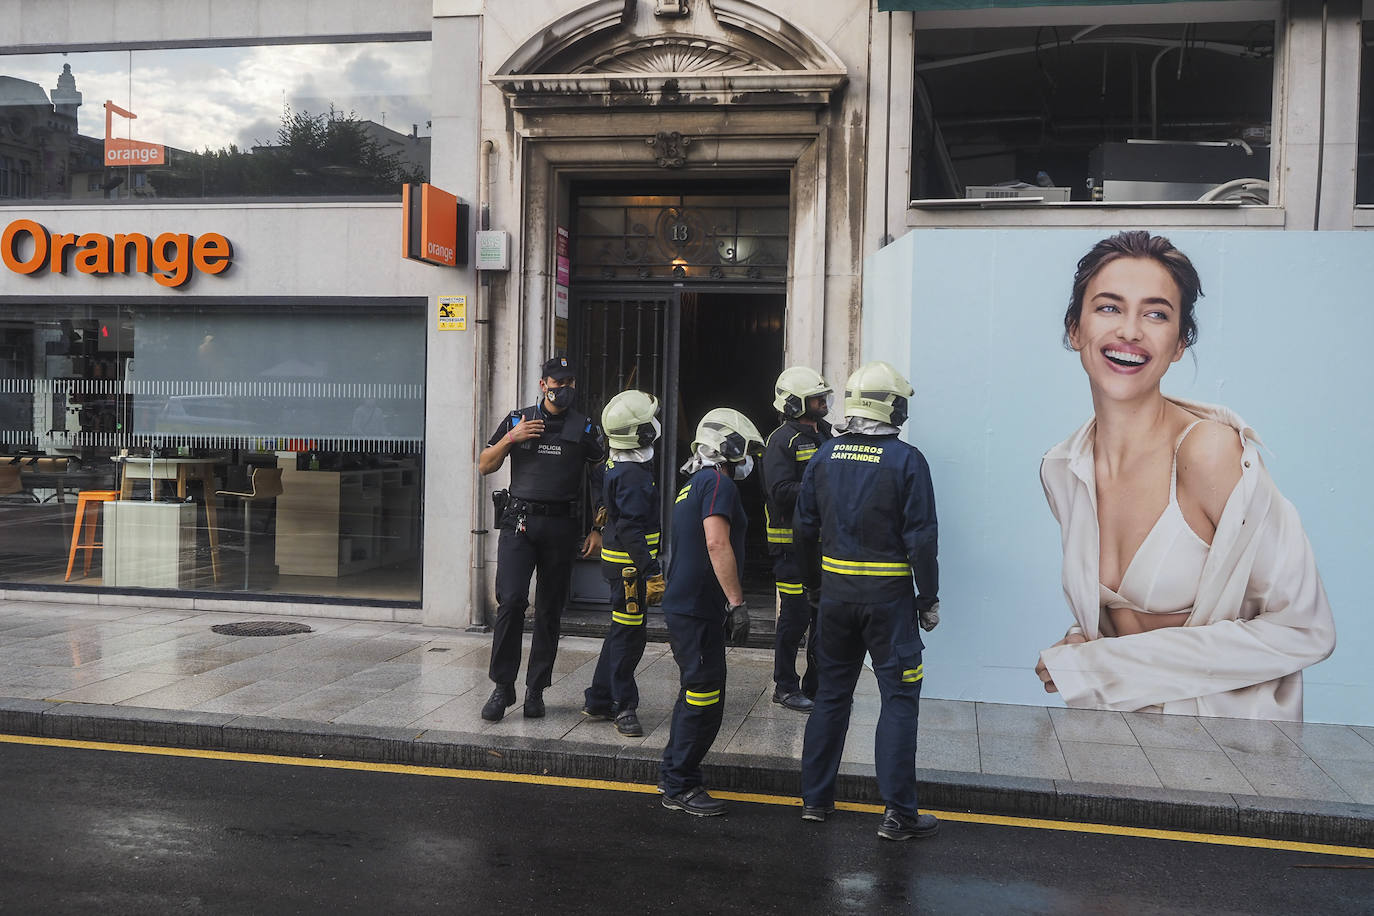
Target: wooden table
181, 470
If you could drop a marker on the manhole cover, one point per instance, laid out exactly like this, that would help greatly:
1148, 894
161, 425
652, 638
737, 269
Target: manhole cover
261, 628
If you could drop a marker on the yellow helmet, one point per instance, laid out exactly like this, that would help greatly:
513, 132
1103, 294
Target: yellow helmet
730, 433
878, 391
796, 386
628, 419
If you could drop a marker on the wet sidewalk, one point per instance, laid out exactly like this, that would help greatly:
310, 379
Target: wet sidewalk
406, 693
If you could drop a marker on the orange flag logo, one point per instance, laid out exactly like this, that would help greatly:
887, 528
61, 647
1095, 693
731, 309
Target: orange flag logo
119, 151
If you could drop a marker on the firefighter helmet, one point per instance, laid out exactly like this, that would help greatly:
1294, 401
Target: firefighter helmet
878, 391
730, 433
629, 420
795, 387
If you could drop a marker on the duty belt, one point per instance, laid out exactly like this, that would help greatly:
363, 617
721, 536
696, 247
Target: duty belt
534, 507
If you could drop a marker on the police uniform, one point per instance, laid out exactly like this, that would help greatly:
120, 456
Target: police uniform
870, 503
785, 457
630, 538
539, 530
694, 610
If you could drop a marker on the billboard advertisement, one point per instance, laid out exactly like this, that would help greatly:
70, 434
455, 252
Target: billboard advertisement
1146, 502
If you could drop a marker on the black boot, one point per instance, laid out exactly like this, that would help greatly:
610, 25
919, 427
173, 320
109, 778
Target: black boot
501, 698
898, 826
534, 702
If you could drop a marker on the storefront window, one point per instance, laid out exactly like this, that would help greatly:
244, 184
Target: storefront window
263, 446
1095, 112
317, 120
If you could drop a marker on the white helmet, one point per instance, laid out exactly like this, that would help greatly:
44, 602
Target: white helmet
796, 386
629, 420
730, 433
878, 391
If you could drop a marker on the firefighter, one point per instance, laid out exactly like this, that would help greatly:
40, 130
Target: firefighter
867, 498
802, 401
704, 605
552, 446
629, 556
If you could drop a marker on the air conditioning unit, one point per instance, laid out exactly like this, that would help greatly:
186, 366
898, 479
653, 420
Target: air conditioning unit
997, 192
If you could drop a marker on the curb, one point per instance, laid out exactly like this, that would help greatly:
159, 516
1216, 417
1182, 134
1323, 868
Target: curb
1302, 820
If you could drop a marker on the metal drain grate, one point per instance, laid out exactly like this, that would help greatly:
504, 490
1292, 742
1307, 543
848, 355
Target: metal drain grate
261, 628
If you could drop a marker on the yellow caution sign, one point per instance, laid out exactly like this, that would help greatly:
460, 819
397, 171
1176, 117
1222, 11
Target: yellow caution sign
453, 313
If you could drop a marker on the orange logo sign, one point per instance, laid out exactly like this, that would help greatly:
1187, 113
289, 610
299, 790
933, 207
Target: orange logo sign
128, 152
435, 228
27, 247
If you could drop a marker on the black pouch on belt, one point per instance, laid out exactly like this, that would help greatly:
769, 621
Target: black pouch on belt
500, 499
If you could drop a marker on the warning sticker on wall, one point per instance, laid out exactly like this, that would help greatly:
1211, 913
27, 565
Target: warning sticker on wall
453, 313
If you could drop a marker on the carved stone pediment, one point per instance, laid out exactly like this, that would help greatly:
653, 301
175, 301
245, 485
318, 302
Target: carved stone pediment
675, 54
599, 56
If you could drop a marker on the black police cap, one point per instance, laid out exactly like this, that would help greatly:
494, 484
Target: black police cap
558, 368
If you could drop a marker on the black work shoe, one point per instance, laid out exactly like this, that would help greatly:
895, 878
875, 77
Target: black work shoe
795, 701
898, 826
502, 697
627, 723
598, 715
534, 703
694, 801
817, 813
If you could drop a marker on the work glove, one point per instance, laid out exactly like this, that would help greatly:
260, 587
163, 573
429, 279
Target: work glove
737, 624
930, 617
654, 587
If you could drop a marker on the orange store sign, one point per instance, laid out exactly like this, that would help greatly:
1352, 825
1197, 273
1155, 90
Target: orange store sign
27, 247
435, 226
129, 152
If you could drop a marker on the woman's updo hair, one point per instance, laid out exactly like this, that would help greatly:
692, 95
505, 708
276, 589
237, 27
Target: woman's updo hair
1137, 243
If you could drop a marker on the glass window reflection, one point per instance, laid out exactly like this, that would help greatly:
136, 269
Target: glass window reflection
310, 120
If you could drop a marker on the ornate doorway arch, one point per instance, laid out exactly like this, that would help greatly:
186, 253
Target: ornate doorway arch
730, 90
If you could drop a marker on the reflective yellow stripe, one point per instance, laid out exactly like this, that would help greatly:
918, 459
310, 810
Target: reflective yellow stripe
779, 535
629, 620
862, 568
791, 588
620, 557
709, 698
682, 494
653, 538
806, 454
912, 675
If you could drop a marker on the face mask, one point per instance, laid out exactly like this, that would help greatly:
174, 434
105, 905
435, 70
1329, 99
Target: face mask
744, 468
562, 398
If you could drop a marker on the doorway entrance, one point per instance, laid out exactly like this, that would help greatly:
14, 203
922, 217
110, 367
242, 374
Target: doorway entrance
683, 296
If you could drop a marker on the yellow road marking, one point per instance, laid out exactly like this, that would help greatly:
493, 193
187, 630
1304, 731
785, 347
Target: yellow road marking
997, 820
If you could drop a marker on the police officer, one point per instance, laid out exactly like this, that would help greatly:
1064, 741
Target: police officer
802, 401
629, 556
704, 605
551, 446
867, 497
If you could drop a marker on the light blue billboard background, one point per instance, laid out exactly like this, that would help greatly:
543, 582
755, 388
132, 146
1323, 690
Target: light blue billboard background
975, 317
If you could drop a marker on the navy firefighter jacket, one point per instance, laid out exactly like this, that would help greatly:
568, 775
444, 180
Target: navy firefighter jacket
632, 531
693, 589
785, 457
869, 501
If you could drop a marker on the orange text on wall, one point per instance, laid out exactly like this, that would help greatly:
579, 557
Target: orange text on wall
27, 247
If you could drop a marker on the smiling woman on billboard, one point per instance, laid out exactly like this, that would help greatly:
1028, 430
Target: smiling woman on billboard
1190, 577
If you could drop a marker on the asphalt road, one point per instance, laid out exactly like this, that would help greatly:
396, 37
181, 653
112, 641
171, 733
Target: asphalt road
86, 831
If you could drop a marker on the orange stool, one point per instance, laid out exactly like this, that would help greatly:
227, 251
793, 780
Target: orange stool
87, 496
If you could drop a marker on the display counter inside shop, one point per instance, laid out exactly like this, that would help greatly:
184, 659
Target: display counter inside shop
337, 522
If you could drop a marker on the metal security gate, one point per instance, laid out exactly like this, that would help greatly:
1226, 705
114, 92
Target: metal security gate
619, 339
